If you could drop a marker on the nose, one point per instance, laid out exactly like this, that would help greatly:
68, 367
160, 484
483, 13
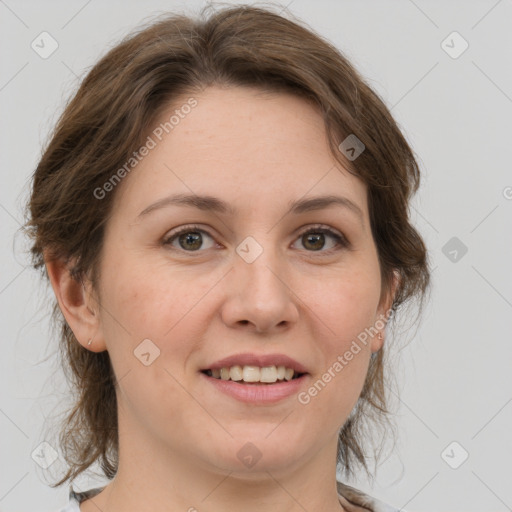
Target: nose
259, 298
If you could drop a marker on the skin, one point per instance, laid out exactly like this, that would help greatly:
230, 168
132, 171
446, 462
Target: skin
179, 436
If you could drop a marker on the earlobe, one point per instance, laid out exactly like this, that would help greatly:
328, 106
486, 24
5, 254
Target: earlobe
77, 305
395, 282
377, 342
384, 312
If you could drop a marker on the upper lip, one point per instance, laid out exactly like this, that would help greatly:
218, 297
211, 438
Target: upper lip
261, 360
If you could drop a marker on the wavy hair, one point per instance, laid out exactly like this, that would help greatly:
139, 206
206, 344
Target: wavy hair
110, 116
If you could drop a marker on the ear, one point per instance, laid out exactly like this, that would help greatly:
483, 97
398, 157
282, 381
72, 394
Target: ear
384, 311
77, 304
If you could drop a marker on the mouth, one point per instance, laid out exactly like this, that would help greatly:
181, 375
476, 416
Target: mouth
256, 379
254, 375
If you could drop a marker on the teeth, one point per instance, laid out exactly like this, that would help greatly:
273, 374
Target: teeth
269, 374
248, 373
251, 374
235, 372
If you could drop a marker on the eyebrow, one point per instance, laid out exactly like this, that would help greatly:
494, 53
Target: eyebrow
213, 204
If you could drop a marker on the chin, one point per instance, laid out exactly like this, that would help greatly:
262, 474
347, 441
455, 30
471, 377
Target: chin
253, 457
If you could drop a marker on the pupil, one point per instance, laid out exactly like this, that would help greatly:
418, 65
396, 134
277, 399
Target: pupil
317, 240
193, 238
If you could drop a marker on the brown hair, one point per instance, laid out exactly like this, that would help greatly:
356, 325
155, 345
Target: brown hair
110, 116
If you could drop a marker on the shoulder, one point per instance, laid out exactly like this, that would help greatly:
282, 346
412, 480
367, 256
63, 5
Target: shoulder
354, 500
75, 498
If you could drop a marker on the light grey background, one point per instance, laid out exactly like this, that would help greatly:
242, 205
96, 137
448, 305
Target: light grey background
455, 375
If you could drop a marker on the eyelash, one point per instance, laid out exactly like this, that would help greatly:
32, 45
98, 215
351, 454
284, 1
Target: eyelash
342, 242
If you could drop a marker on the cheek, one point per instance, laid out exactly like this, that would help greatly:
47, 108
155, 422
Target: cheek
345, 303
143, 301
345, 312
335, 389
150, 299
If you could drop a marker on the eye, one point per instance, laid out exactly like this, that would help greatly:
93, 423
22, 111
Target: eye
316, 238
190, 239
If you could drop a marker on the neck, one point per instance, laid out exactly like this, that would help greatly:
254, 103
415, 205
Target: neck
154, 477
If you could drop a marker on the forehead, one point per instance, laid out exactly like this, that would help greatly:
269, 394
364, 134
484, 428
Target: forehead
247, 146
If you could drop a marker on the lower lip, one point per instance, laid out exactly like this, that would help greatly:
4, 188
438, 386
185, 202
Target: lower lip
258, 393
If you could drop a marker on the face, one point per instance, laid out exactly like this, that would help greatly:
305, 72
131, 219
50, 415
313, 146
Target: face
256, 272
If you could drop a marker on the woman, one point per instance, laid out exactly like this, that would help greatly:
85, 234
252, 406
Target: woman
222, 213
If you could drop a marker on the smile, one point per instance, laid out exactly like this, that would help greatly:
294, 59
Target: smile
250, 374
